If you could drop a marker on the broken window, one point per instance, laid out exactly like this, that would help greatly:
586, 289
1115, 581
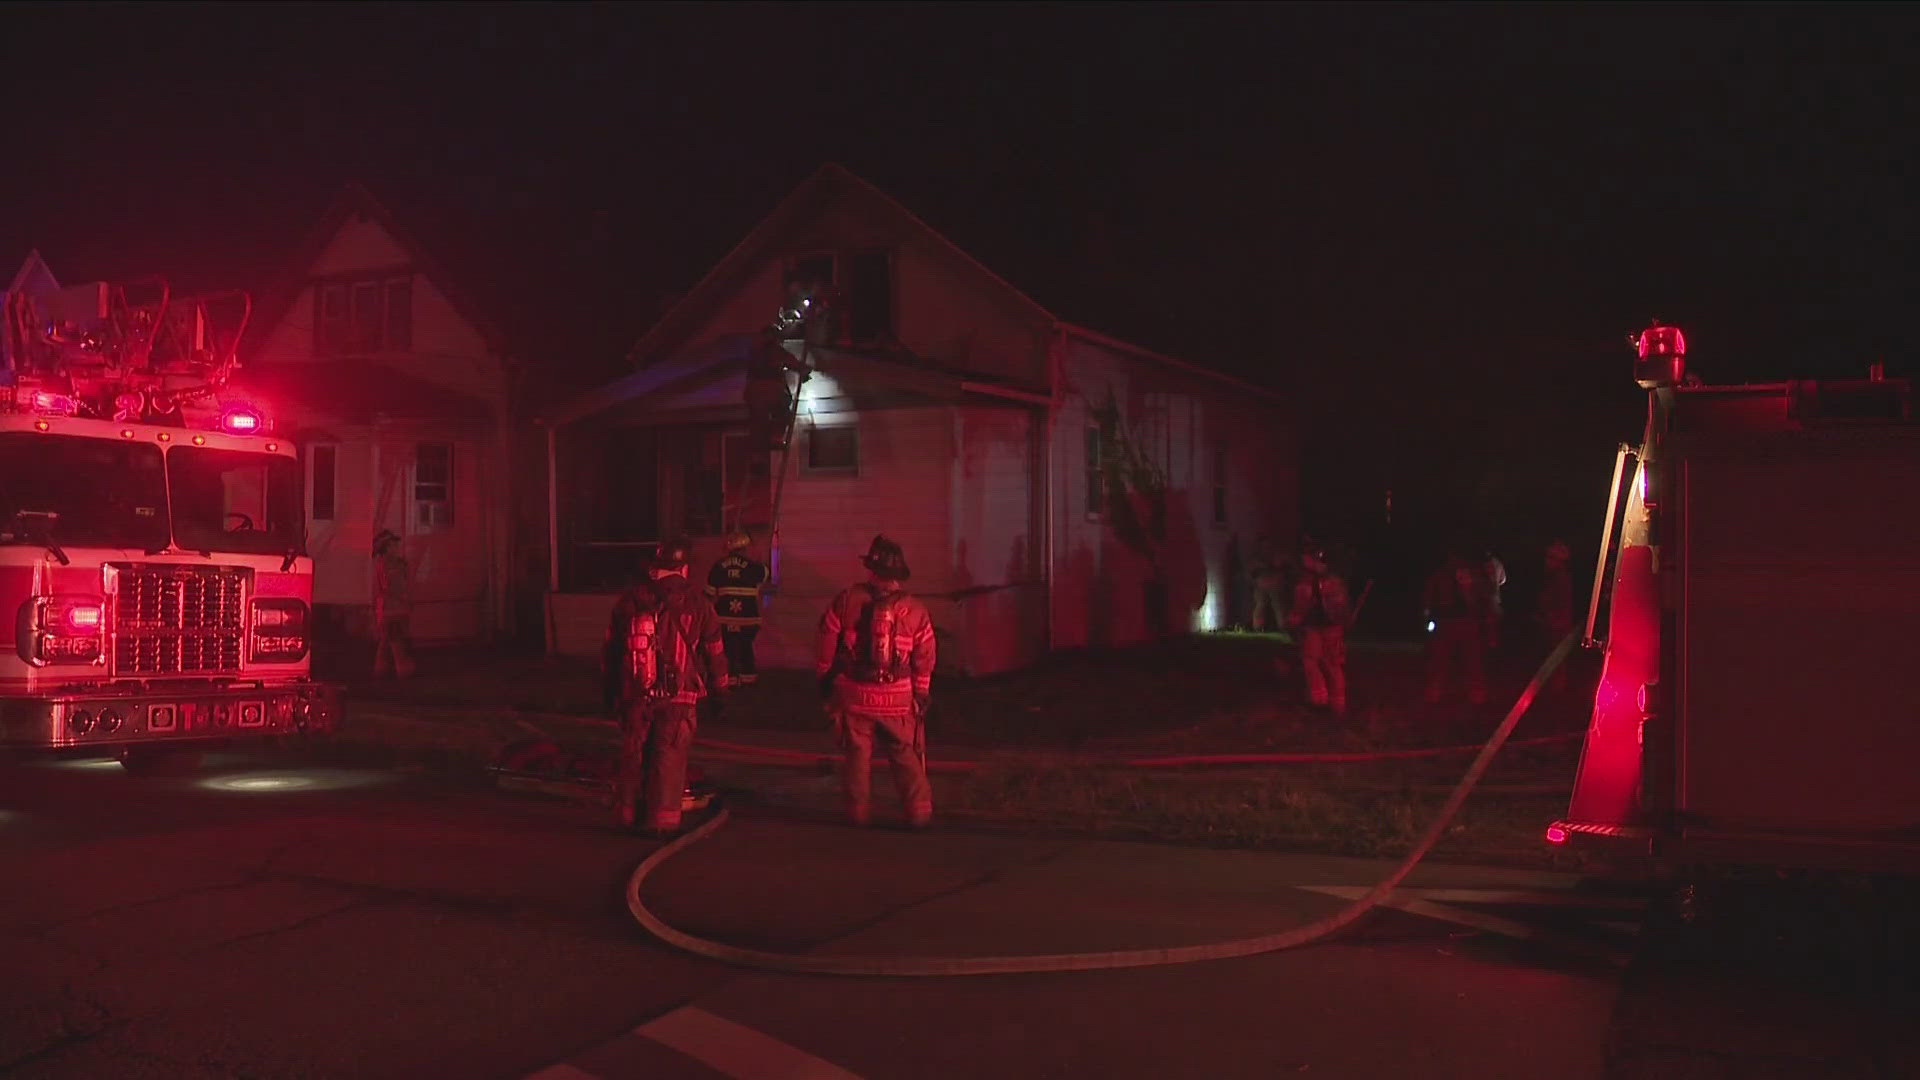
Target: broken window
868, 292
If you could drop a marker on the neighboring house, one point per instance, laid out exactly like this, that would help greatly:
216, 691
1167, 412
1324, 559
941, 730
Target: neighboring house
956, 415
397, 389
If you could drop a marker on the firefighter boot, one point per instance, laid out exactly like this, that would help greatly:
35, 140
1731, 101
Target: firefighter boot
626, 799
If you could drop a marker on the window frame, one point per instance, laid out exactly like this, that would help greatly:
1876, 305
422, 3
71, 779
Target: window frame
844, 283
419, 524
838, 264
314, 452
809, 469
349, 331
1095, 468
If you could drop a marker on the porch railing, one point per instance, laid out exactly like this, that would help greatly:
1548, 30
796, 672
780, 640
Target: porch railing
606, 565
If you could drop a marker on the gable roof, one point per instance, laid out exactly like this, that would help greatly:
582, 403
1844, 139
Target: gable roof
827, 182
355, 200
33, 268
816, 191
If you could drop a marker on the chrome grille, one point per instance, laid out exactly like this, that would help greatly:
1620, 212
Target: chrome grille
178, 620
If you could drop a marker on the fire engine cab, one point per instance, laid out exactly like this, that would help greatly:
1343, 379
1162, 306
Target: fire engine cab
1759, 700
155, 595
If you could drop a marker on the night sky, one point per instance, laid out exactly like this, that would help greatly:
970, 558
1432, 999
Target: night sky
1435, 226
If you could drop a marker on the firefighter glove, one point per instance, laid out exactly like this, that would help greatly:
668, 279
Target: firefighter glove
921, 702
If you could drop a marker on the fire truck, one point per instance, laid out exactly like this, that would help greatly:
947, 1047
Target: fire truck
155, 595
1759, 698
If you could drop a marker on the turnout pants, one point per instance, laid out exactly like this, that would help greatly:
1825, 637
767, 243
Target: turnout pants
651, 780
392, 650
900, 733
1323, 657
739, 644
1269, 605
1457, 644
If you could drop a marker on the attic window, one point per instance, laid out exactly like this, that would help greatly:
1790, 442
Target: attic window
868, 295
363, 315
864, 282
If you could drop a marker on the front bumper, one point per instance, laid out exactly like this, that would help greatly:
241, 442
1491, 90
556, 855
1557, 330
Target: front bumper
108, 716
1599, 836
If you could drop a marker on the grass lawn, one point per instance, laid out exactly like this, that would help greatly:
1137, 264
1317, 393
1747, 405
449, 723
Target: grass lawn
1217, 693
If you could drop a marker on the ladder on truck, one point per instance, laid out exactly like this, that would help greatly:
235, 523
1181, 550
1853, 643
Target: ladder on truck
130, 351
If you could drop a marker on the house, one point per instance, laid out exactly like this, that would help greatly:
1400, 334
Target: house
397, 388
1053, 487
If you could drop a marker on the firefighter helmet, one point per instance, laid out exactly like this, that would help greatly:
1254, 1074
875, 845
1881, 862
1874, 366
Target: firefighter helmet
383, 540
886, 560
1312, 551
674, 554
739, 540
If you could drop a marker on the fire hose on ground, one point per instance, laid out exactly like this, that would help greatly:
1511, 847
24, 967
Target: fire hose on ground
1085, 961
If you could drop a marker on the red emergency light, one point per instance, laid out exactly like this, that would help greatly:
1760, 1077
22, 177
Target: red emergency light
1662, 359
49, 403
242, 420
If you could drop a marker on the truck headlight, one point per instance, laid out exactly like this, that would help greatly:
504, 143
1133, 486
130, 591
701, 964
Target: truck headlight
62, 630
279, 630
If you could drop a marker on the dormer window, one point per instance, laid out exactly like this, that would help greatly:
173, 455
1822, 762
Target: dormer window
363, 315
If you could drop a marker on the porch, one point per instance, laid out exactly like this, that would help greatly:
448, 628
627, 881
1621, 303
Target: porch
668, 451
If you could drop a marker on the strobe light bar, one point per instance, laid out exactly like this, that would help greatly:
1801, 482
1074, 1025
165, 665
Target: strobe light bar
243, 420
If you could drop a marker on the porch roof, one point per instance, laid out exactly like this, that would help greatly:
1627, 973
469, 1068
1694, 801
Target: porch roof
712, 375
672, 373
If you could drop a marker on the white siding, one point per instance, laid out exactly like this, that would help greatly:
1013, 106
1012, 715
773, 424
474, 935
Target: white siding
1100, 594
343, 565
826, 524
996, 550
462, 573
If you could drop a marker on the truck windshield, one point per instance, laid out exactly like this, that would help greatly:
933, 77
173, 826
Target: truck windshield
104, 493
234, 500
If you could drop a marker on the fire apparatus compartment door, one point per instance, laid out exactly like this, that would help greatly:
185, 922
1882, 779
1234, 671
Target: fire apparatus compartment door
1799, 623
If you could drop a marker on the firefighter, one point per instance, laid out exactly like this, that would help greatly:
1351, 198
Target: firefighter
1458, 602
1319, 615
1269, 586
769, 400
734, 584
392, 608
1553, 611
1496, 582
875, 663
663, 657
